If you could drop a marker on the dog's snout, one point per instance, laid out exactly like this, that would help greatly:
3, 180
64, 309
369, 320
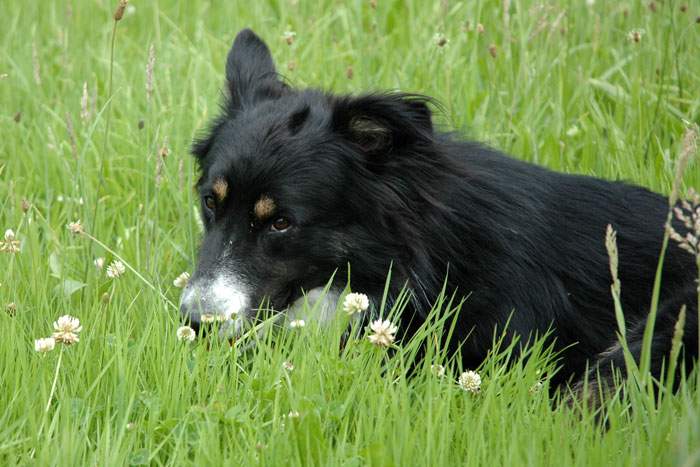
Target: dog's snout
220, 299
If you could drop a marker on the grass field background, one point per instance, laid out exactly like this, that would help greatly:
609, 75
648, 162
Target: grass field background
564, 84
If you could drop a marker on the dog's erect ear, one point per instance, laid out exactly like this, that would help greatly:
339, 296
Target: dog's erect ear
250, 71
380, 123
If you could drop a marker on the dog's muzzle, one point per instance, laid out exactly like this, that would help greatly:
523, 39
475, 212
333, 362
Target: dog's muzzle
219, 300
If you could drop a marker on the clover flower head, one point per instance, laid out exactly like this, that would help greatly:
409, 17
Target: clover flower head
297, 323
11, 244
76, 228
181, 280
438, 370
186, 333
45, 344
383, 331
355, 303
115, 269
470, 381
66, 329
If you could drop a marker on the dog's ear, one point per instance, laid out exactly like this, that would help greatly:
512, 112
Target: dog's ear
250, 72
380, 123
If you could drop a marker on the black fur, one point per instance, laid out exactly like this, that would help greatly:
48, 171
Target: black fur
367, 181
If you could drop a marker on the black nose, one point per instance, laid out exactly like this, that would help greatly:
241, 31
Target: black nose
190, 319
194, 323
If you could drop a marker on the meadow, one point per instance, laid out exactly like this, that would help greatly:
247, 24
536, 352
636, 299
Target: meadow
96, 118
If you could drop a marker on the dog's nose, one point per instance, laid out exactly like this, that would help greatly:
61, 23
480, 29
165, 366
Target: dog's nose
188, 312
194, 322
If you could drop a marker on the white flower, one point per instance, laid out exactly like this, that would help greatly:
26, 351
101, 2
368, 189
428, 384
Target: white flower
45, 344
383, 333
289, 366
66, 329
440, 39
99, 263
293, 414
297, 323
438, 370
208, 318
470, 381
186, 333
115, 269
76, 228
355, 303
573, 131
537, 387
181, 280
289, 36
11, 244
635, 35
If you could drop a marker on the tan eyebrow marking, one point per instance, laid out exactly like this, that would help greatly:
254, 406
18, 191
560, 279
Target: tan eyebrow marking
220, 188
264, 207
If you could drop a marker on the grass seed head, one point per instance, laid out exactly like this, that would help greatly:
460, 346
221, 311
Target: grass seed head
119, 12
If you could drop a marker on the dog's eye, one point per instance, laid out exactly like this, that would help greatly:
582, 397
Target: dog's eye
280, 224
210, 202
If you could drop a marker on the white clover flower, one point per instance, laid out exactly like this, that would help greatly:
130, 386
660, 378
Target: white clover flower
45, 344
383, 333
573, 131
76, 228
440, 40
470, 381
355, 303
438, 370
181, 280
297, 323
289, 366
535, 388
635, 35
99, 262
11, 244
66, 330
207, 318
115, 269
289, 36
186, 333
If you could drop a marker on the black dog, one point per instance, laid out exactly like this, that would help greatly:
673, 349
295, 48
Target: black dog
299, 184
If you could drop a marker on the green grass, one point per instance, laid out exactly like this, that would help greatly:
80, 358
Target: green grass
566, 89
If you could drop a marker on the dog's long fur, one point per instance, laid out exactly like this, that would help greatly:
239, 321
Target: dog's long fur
367, 181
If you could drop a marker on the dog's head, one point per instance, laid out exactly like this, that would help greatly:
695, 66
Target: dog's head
295, 186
